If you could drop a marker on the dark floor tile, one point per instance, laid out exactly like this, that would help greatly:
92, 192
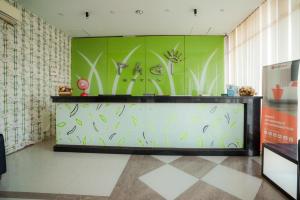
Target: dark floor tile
28, 195
204, 191
140, 191
269, 192
83, 197
257, 159
31, 195
129, 186
244, 164
67, 197
193, 165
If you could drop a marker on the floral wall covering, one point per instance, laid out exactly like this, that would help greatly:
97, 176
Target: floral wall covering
34, 59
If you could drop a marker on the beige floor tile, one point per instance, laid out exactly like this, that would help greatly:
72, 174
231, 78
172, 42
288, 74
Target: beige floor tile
168, 181
234, 182
39, 169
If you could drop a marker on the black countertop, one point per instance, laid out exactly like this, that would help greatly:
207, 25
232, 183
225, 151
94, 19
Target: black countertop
154, 99
288, 151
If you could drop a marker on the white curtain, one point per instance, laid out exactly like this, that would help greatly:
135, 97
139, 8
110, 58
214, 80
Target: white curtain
271, 34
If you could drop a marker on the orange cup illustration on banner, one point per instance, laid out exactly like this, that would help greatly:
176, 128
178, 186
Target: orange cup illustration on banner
277, 92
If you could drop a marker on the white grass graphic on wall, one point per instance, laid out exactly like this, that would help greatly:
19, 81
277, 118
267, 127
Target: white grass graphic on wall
190, 89
124, 61
200, 83
196, 82
93, 71
212, 85
159, 91
168, 69
131, 84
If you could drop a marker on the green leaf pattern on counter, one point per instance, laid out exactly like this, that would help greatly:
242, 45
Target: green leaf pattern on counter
84, 140
184, 136
103, 118
78, 121
134, 120
178, 125
101, 141
61, 124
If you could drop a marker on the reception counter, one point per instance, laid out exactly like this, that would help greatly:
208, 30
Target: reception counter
158, 125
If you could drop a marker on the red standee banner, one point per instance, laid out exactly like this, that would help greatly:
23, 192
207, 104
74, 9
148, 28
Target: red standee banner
280, 102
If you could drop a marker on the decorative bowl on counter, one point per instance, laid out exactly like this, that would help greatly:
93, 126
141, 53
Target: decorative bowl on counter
64, 90
247, 91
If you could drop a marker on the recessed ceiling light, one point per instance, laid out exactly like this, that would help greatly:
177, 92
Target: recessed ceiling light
221, 10
139, 12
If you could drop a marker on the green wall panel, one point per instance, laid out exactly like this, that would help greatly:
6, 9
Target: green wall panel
129, 51
200, 71
89, 61
167, 83
204, 63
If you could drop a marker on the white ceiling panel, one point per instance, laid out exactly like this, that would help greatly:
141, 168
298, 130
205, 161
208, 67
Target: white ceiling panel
160, 17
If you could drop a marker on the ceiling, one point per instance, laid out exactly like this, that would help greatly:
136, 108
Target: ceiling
160, 17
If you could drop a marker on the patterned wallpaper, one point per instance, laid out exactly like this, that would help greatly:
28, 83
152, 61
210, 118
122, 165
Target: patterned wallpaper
34, 59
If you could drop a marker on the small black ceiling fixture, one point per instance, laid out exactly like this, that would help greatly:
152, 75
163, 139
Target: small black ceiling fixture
87, 14
139, 12
195, 11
